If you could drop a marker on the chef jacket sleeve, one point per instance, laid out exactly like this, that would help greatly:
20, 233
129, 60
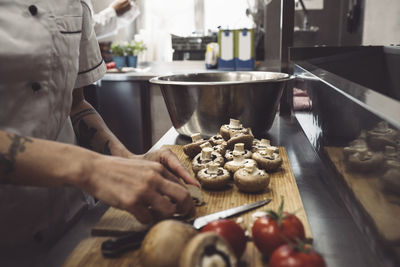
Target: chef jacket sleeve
91, 64
105, 23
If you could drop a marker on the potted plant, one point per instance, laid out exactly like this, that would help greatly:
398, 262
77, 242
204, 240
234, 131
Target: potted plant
133, 49
118, 53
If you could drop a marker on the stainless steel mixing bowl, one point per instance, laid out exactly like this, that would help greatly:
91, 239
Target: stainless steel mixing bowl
202, 102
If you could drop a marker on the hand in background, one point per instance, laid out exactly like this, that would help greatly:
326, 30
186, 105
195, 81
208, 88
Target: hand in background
121, 6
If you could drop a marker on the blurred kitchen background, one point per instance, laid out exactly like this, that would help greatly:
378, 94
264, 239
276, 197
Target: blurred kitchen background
176, 33
170, 28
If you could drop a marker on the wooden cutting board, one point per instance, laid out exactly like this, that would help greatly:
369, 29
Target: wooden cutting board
382, 208
116, 222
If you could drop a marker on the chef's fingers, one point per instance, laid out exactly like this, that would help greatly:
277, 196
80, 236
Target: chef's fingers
142, 213
172, 177
161, 207
170, 160
163, 171
179, 195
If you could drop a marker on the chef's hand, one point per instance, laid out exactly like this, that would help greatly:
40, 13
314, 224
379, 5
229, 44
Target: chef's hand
143, 187
121, 6
170, 161
167, 158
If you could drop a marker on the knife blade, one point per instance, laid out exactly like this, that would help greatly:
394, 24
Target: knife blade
202, 221
116, 246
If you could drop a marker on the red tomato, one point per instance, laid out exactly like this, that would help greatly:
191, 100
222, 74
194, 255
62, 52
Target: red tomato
268, 233
290, 256
231, 232
111, 65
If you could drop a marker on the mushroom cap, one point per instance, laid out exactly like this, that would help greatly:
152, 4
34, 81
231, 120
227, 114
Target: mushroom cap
196, 194
192, 149
382, 135
234, 126
213, 179
167, 235
365, 161
250, 179
224, 132
199, 163
221, 148
207, 249
267, 160
237, 164
229, 154
246, 139
355, 146
216, 139
263, 144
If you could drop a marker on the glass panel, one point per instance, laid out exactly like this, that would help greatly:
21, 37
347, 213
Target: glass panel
356, 131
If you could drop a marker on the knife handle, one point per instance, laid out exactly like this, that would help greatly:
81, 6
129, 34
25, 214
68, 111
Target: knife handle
114, 247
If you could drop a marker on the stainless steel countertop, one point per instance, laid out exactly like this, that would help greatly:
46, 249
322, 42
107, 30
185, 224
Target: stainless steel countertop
335, 234
148, 70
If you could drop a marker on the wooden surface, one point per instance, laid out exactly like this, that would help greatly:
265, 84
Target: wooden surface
382, 208
115, 222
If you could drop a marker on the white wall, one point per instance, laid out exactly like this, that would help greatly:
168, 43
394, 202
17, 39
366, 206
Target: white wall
381, 22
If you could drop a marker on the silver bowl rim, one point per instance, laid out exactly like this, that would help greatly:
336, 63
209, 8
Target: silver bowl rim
158, 79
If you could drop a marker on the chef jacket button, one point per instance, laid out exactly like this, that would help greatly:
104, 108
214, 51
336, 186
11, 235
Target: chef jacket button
35, 86
33, 9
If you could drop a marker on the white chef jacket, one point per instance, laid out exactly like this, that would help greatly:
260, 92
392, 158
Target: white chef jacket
107, 22
47, 48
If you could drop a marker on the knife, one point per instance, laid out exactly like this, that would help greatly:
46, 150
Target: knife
114, 247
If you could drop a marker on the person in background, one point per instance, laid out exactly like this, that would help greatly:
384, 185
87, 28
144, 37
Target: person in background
51, 52
117, 15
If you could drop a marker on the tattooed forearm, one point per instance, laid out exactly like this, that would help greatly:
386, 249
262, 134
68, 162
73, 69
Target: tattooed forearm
85, 134
86, 131
106, 149
76, 118
9, 158
83, 131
